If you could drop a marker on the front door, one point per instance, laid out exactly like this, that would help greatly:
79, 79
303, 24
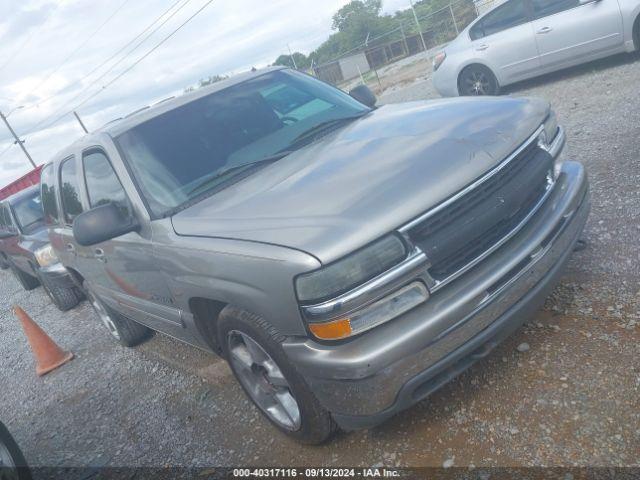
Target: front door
123, 270
569, 32
504, 40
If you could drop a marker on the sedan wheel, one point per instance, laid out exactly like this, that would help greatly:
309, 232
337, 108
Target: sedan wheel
478, 81
263, 380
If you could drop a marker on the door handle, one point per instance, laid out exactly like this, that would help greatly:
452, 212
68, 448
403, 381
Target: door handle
482, 47
544, 30
99, 254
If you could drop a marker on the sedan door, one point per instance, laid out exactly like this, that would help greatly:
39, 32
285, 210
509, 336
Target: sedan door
570, 32
505, 42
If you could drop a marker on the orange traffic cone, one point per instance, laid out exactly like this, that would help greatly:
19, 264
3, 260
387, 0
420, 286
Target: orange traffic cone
49, 356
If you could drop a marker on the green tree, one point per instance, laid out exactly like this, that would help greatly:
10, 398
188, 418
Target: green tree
301, 61
357, 14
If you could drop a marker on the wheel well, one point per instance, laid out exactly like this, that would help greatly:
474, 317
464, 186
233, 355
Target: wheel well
206, 312
76, 277
636, 32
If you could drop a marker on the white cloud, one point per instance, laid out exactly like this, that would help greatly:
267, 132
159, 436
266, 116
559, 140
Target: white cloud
227, 37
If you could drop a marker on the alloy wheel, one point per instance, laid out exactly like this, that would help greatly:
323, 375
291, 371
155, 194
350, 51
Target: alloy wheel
477, 83
263, 380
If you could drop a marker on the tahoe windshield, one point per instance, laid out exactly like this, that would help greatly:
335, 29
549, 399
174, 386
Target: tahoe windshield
28, 213
209, 143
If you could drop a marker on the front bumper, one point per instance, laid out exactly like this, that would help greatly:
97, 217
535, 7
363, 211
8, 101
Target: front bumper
370, 378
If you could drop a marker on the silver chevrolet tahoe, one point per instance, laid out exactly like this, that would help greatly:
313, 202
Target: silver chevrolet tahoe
346, 260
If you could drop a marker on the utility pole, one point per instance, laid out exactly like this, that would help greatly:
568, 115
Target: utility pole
18, 141
453, 17
404, 39
291, 57
415, 17
80, 122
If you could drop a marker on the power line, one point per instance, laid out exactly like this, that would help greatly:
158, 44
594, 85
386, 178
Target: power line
78, 48
112, 67
128, 69
102, 64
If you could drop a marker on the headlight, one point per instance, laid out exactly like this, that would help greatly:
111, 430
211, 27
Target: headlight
438, 59
380, 312
551, 126
550, 131
46, 256
548, 135
353, 270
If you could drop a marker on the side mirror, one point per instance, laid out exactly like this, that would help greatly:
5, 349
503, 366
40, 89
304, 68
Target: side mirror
101, 224
364, 95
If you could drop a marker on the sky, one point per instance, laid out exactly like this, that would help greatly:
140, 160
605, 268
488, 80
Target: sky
49, 49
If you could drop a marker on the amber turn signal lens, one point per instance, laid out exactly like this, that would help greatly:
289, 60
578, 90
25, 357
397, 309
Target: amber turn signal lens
334, 330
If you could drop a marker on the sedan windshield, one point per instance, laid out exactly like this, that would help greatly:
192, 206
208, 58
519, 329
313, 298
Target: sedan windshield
209, 143
28, 212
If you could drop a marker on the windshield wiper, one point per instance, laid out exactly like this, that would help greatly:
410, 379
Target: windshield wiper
310, 135
242, 166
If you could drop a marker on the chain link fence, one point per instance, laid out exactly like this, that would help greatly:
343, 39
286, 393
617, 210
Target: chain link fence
409, 38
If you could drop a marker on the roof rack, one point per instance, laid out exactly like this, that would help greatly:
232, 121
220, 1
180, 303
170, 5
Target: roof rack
164, 100
110, 122
137, 111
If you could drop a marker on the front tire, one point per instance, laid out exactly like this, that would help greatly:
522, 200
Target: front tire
65, 298
28, 282
127, 332
477, 80
254, 352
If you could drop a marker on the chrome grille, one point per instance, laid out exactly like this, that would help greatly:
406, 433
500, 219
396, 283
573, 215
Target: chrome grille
457, 236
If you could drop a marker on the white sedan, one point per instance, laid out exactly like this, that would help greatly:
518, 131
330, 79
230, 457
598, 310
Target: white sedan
521, 39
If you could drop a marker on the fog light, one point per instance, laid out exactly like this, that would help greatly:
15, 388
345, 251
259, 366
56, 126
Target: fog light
380, 312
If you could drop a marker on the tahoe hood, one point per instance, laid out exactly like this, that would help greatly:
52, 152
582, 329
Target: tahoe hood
368, 178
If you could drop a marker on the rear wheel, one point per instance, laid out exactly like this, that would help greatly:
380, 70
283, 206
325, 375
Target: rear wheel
254, 352
477, 80
65, 298
125, 331
27, 281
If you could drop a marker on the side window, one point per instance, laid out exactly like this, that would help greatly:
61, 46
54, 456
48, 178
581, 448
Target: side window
7, 219
477, 31
509, 15
544, 8
103, 185
48, 193
71, 205
4, 219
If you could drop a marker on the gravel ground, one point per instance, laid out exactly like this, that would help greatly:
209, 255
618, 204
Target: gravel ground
563, 391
